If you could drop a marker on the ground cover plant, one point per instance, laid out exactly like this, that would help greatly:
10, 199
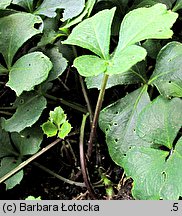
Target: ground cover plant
101, 82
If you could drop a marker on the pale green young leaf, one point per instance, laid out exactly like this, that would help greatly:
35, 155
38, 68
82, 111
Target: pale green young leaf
8, 164
124, 60
90, 65
57, 116
64, 130
49, 128
28, 112
167, 76
146, 23
33, 67
15, 30
163, 118
118, 122
136, 74
33, 198
94, 33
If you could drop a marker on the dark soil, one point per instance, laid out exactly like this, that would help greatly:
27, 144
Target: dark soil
63, 159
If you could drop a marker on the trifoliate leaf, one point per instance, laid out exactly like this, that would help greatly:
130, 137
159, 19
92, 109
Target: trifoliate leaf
57, 116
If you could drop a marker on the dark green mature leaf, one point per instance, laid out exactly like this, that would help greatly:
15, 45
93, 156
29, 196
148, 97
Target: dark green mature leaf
160, 121
58, 61
33, 67
167, 76
94, 33
27, 4
178, 5
3, 70
154, 176
85, 13
6, 149
134, 75
28, 141
28, 112
8, 164
118, 122
71, 8
5, 3
15, 30
153, 47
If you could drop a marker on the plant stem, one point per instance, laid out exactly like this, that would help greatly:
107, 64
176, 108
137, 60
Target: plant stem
68, 181
86, 99
96, 114
83, 161
6, 113
23, 164
75, 106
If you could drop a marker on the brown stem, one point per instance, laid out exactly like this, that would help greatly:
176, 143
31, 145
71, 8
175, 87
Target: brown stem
83, 161
96, 115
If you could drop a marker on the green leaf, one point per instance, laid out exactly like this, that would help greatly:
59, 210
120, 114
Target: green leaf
3, 70
57, 116
71, 8
6, 149
178, 5
58, 61
27, 4
153, 47
167, 76
138, 25
90, 65
15, 30
33, 198
4, 4
49, 128
146, 23
134, 75
94, 33
155, 177
33, 67
8, 164
28, 112
118, 122
124, 60
28, 141
64, 130
160, 121
86, 12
